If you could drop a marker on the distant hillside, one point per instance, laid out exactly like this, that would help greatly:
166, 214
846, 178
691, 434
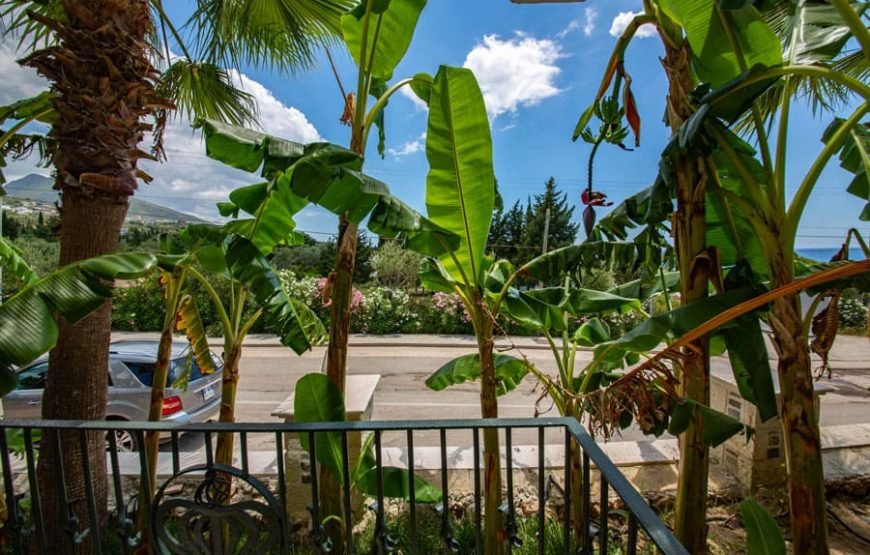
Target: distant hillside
39, 188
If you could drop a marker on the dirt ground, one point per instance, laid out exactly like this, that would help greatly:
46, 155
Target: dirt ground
848, 517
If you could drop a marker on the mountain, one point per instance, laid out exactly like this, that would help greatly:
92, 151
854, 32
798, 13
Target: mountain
40, 189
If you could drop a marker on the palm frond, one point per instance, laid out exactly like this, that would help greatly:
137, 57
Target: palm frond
204, 90
17, 22
821, 37
282, 34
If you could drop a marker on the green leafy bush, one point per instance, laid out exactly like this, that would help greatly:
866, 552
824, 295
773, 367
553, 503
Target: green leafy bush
396, 267
853, 313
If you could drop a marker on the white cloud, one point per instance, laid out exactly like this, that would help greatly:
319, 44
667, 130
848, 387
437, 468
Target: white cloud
621, 21
515, 72
411, 147
18, 82
586, 23
277, 118
419, 105
190, 181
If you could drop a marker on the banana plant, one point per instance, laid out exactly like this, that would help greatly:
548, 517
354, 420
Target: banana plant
558, 308
317, 399
714, 42
377, 34
222, 253
460, 197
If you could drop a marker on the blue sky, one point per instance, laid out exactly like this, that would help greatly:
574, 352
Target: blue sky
538, 65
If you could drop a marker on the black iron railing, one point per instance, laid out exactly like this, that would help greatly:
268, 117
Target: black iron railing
191, 512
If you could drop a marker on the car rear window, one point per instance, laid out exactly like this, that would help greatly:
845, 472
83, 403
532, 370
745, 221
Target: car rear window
144, 371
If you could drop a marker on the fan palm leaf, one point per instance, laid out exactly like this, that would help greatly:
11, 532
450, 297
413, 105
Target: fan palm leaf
281, 34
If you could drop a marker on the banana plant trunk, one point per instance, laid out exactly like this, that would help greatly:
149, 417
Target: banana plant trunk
577, 505
493, 537
336, 366
229, 386
155, 409
689, 228
800, 421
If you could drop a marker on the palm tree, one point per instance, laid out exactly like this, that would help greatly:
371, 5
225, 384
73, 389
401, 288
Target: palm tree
108, 95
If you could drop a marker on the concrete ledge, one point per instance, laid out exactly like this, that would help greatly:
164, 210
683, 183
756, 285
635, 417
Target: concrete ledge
622, 453
359, 396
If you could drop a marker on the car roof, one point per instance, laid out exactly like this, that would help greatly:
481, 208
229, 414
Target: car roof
144, 349
130, 350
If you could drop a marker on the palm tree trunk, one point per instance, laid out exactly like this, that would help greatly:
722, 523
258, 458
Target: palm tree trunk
689, 229
77, 384
103, 82
800, 421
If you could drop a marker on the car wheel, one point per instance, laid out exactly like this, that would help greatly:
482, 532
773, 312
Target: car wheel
124, 440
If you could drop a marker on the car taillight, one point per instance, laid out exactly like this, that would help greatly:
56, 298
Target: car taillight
171, 405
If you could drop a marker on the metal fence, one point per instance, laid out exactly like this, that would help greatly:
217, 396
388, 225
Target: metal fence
191, 512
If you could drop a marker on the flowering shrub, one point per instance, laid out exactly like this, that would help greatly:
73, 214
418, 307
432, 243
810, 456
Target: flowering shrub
443, 313
385, 310
375, 309
853, 313
309, 290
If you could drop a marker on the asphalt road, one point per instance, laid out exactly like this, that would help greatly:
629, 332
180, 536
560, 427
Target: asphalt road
269, 374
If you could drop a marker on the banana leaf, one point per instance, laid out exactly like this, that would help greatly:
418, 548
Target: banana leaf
713, 57
460, 187
509, 372
28, 320
390, 30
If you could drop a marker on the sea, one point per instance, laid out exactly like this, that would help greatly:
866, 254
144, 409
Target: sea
824, 255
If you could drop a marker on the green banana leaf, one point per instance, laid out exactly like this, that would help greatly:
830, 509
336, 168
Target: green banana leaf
460, 187
667, 327
606, 255
651, 206
28, 320
15, 264
509, 372
713, 57
763, 536
321, 173
248, 266
644, 288
855, 159
247, 149
718, 427
390, 30
29, 107
550, 306
316, 399
395, 482
434, 277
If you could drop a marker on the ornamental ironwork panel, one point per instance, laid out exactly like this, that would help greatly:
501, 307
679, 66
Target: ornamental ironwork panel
211, 522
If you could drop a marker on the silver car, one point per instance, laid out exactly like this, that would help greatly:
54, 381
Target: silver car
131, 373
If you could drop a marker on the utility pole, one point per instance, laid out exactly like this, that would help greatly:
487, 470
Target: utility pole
546, 235
546, 230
